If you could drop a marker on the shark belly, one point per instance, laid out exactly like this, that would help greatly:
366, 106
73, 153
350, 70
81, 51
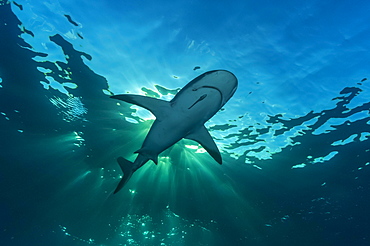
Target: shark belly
189, 117
159, 138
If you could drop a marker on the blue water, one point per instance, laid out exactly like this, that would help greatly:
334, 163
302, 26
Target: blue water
294, 138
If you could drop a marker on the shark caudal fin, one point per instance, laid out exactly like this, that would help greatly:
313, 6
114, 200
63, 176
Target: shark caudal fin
127, 169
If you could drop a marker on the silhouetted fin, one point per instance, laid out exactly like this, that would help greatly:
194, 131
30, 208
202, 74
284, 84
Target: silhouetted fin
203, 137
160, 108
148, 154
127, 169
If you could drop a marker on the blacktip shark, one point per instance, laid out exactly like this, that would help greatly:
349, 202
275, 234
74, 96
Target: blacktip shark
182, 117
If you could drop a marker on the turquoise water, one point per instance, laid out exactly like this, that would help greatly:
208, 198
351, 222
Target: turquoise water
294, 138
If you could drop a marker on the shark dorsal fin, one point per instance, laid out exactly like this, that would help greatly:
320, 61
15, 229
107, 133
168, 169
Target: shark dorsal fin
202, 136
158, 107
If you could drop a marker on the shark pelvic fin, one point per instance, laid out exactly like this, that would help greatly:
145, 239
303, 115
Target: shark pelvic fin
127, 169
202, 136
147, 153
158, 107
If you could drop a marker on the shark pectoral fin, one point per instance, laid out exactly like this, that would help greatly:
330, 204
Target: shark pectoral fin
158, 107
203, 137
127, 169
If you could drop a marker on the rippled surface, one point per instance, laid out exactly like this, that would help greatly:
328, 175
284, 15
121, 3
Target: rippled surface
294, 138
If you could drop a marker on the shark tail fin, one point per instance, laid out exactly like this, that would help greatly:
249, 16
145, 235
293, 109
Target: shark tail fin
127, 169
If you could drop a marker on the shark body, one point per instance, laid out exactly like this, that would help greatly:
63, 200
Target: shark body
182, 117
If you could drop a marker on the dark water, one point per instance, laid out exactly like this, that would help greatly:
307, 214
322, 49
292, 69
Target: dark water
58, 167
